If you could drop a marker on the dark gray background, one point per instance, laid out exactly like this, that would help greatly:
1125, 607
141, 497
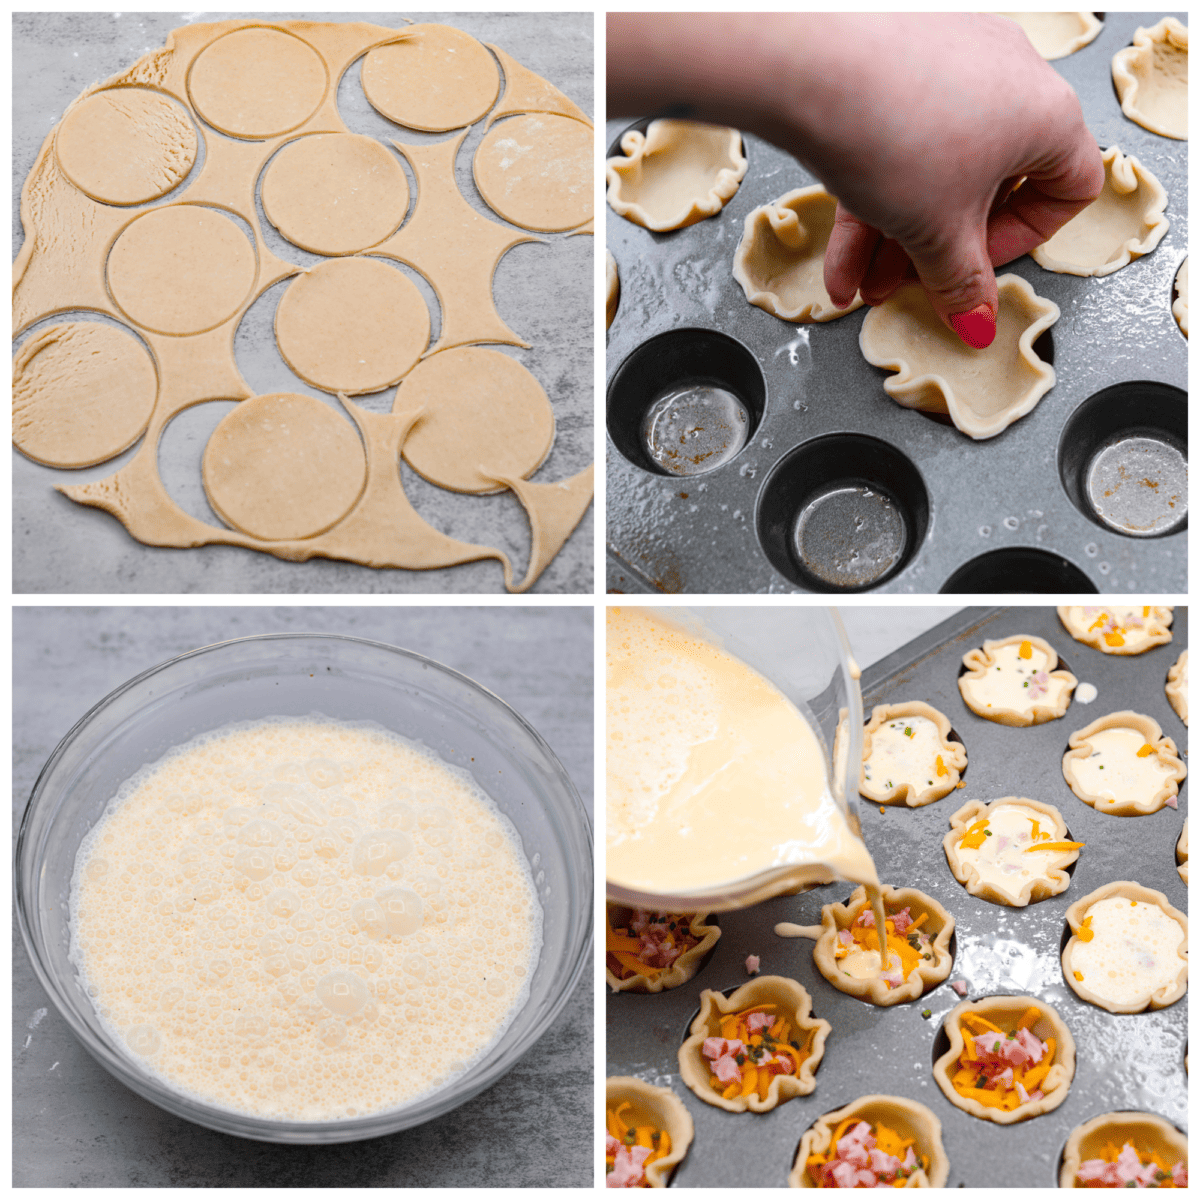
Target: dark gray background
74, 1125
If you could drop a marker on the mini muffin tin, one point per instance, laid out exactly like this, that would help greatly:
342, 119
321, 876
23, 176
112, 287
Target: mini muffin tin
1132, 1062
840, 488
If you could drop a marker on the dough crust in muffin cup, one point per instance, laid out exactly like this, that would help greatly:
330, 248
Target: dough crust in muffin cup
791, 1002
905, 1117
1177, 687
1016, 681
680, 971
1106, 628
1077, 974
1144, 1131
1136, 799
657, 1106
946, 759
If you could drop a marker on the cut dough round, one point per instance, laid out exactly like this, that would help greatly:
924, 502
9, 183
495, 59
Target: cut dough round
1054, 34
1177, 687
990, 849
856, 971
82, 393
126, 145
908, 757
675, 174
1007, 1014
656, 1106
1118, 629
536, 171
1124, 222
1128, 949
257, 82
352, 325
483, 415
1180, 307
180, 270
680, 970
283, 466
1151, 78
793, 1004
335, 193
780, 261
984, 391
435, 78
1122, 764
1093, 1140
613, 287
1181, 853
1014, 681
913, 1123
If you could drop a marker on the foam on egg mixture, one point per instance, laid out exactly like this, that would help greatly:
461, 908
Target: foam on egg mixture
303, 919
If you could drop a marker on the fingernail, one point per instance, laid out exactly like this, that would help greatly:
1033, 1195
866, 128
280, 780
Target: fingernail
977, 328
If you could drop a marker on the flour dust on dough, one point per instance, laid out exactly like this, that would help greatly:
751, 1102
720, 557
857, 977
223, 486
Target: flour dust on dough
1151, 78
780, 261
536, 171
1124, 222
984, 391
352, 325
1054, 34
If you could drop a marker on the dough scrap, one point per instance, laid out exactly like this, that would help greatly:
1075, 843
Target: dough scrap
1055, 35
352, 325
793, 1003
1124, 222
482, 415
435, 78
1180, 307
681, 970
257, 82
283, 467
1181, 852
983, 870
612, 287
125, 145
901, 743
780, 261
1145, 1131
180, 270
82, 393
1015, 681
1177, 687
939, 924
526, 92
984, 391
906, 1117
675, 174
1005, 1012
1136, 780
1120, 917
657, 1106
1118, 629
536, 171
1151, 78
335, 193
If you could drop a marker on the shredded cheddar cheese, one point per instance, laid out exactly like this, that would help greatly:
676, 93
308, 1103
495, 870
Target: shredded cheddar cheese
941, 767
1086, 932
763, 1054
664, 937
1055, 846
989, 1055
974, 836
1145, 751
1026, 650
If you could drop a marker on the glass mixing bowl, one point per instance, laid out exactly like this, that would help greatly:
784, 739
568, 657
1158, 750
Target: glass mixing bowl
806, 654
349, 679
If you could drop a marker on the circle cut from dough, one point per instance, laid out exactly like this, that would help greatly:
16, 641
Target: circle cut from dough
335, 193
257, 82
1118, 629
1177, 687
436, 78
352, 325
1151, 78
180, 270
536, 171
82, 393
634, 938
1156, 1143
630, 1103
1121, 764
283, 466
1181, 853
484, 415
1016, 680
908, 755
1057, 34
126, 145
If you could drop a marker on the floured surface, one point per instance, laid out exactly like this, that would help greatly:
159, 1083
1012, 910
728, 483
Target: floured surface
499, 521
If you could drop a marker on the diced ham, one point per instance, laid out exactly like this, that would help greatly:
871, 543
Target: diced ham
1022, 1094
726, 1069
902, 920
757, 1021
845, 937
1172, 802
718, 1047
866, 919
960, 987
859, 1163
628, 1167
884, 1164
752, 961
611, 1145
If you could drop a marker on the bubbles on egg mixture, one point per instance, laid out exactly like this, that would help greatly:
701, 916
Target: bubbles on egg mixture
296, 919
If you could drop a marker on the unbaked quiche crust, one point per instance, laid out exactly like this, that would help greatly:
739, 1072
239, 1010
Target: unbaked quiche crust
682, 969
953, 755
1164, 748
657, 1106
1144, 1130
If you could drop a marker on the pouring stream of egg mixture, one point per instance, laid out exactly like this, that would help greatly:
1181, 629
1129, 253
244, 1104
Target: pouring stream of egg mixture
714, 776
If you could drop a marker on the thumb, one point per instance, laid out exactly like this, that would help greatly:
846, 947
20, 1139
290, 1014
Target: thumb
957, 276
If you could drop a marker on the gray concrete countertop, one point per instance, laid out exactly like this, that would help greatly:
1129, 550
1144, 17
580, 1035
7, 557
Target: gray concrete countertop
74, 1125
544, 293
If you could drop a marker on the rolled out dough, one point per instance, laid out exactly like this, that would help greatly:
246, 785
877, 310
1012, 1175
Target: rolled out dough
126, 145
1057, 34
335, 193
352, 325
536, 171
1151, 78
